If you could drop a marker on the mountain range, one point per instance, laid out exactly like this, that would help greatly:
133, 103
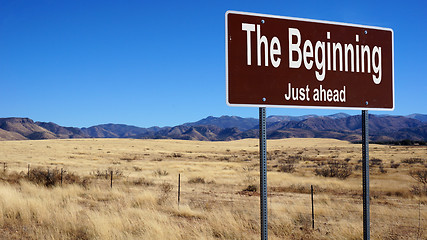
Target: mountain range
382, 128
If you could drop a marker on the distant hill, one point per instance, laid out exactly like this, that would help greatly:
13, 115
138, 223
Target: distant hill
63, 132
23, 128
7, 135
227, 122
275, 118
349, 128
117, 131
421, 117
338, 126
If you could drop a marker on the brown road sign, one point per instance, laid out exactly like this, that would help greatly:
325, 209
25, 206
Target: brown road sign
291, 62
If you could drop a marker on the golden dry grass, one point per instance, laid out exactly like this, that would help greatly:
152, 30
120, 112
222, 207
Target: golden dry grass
143, 201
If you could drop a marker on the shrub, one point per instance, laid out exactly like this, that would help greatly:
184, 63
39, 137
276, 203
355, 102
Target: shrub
335, 168
129, 158
71, 178
12, 177
382, 170
106, 173
375, 161
294, 159
137, 169
42, 177
413, 161
419, 175
142, 182
49, 177
251, 188
160, 173
196, 180
85, 182
394, 165
100, 173
419, 190
165, 189
287, 168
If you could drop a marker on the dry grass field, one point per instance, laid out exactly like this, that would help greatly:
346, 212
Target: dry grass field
219, 189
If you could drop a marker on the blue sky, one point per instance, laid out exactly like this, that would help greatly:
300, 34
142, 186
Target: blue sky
148, 63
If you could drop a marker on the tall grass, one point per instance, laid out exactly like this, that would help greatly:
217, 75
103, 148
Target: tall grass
143, 201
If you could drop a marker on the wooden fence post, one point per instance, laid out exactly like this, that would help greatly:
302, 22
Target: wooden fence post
111, 183
312, 207
179, 188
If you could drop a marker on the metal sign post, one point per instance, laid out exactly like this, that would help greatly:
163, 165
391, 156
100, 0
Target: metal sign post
270, 63
263, 172
365, 174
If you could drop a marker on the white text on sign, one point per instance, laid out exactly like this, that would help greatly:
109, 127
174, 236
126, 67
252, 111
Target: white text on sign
325, 56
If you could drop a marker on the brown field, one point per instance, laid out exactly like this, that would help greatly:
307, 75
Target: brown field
216, 183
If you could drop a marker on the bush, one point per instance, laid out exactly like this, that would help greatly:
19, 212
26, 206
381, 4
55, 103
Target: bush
394, 165
160, 173
165, 189
130, 158
142, 182
335, 168
251, 188
419, 190
287, 168
294, 159
197, 180
100, 173
12, 177
413, 161
382, 170
106, 173
375, 161
137, 169
42, 177
71, 178
51, 177
419, 175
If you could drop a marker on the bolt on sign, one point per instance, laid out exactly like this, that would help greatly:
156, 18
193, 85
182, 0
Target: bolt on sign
275, 61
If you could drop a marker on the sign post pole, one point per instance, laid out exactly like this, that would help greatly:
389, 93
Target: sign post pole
365, 174
270, 62
263, 172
